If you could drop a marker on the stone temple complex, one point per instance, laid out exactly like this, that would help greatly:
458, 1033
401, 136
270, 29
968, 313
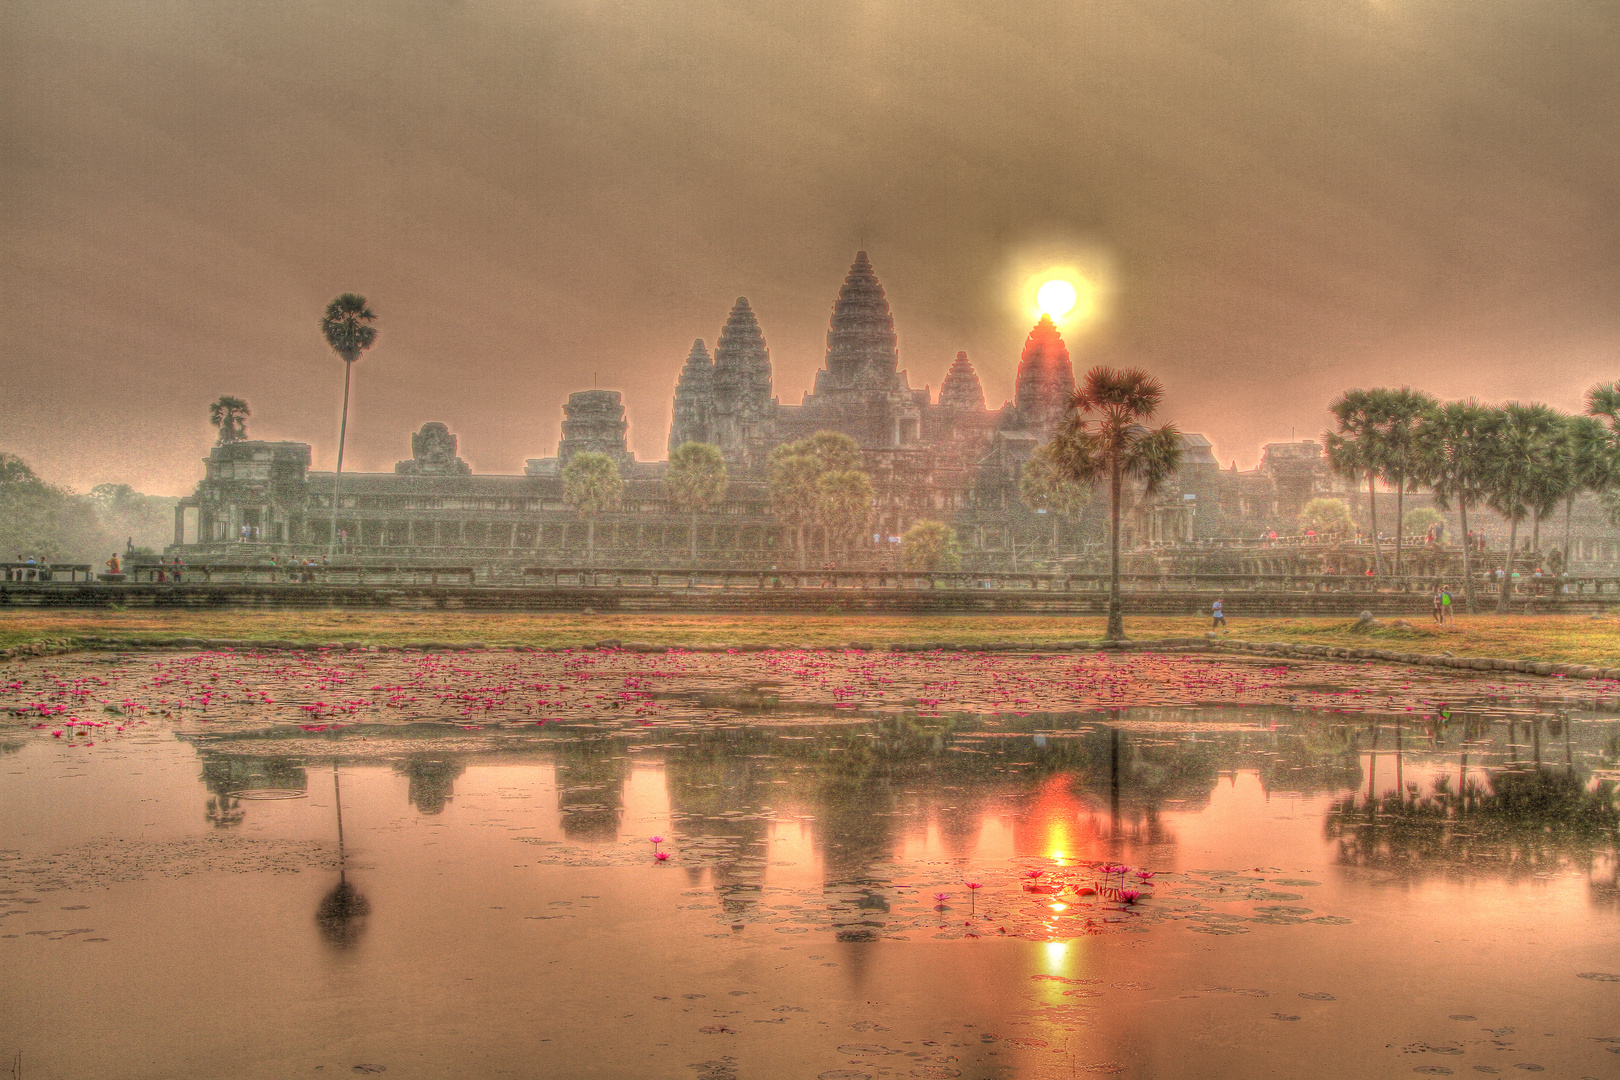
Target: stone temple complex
950, 458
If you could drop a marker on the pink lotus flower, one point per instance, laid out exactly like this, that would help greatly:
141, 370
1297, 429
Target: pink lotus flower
973, 895
1130, 896
1145, 875
661, 856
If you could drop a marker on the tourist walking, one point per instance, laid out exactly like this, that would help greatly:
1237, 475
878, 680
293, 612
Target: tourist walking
1439, 607
1220, 616
1446, 609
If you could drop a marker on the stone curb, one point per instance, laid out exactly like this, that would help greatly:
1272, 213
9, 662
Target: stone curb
59, 646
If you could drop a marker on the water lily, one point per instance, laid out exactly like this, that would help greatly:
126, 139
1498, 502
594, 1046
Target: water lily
1130, 896
973, 895
661, 856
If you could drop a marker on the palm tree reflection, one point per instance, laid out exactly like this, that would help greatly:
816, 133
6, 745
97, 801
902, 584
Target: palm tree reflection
342, 912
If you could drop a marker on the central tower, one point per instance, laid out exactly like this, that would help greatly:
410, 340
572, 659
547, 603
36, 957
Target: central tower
861, 343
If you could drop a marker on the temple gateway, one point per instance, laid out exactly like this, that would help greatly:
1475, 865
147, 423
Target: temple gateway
950, 458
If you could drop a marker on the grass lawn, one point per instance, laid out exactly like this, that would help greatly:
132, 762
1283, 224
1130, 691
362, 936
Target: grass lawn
1556, 638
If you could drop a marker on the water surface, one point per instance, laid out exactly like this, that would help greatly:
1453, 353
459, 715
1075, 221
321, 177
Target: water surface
1331, 895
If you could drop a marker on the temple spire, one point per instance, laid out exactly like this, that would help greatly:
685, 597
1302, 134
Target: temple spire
1045, 377
742, 384
861, 340
694, 399
961, 389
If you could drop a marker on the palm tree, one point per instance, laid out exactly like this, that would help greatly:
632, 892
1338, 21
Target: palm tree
1401, 417
1104, 435
794, 471
1517, 476
1043, 485
1456, 466
229, 414
592, 486
843, 505
348, 330
1353, 450
696, 480
792, 483
1583, 455
1603, 403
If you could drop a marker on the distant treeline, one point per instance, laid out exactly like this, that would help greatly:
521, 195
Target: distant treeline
55, 524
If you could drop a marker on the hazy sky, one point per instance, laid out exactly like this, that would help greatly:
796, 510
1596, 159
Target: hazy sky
1291, 196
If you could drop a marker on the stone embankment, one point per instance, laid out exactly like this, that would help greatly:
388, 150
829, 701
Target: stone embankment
1211, 645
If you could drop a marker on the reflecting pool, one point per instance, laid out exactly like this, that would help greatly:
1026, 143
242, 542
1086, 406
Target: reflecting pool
767, 890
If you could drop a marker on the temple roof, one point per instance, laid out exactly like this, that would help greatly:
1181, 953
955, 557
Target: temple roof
961, 389
741, 347
861, 336
699, 369
1045, 376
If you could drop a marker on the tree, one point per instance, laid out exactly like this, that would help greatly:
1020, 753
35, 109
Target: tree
696, 480
1456, 466
1352, 451
1520, 462
1327, 517
795, 470
836, 451
1584, 455
17, 474
1105, 436
348, 330
45, 521
792, 483
843, 505
1043, 485
930, 545
1603, 403
1401, 416
229, 414
1420, 519
592, 486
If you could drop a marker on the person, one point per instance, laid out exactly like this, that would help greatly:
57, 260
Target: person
115, 565
1445, 606
1438, 607
179, 567
1220, 616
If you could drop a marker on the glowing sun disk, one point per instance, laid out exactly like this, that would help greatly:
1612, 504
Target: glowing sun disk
1056, 298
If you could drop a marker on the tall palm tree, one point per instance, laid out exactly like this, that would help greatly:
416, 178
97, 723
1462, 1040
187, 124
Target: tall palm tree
593, 487
229, 414
1586, 455
1521, 458
1353, 450
1104, 435
1455, 464
696, 480
1603, 402
348, 330
1400, 417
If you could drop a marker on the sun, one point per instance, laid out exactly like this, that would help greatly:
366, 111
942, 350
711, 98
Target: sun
1065, 294
1056, 298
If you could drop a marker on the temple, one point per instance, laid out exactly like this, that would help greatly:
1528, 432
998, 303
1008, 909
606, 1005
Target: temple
950, 458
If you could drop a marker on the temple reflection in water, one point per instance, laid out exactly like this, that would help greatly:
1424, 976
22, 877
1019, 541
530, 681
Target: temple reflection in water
1456, 794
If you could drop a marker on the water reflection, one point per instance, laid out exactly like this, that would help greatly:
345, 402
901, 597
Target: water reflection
432, 781
1514, 796
225, 776
342, 912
